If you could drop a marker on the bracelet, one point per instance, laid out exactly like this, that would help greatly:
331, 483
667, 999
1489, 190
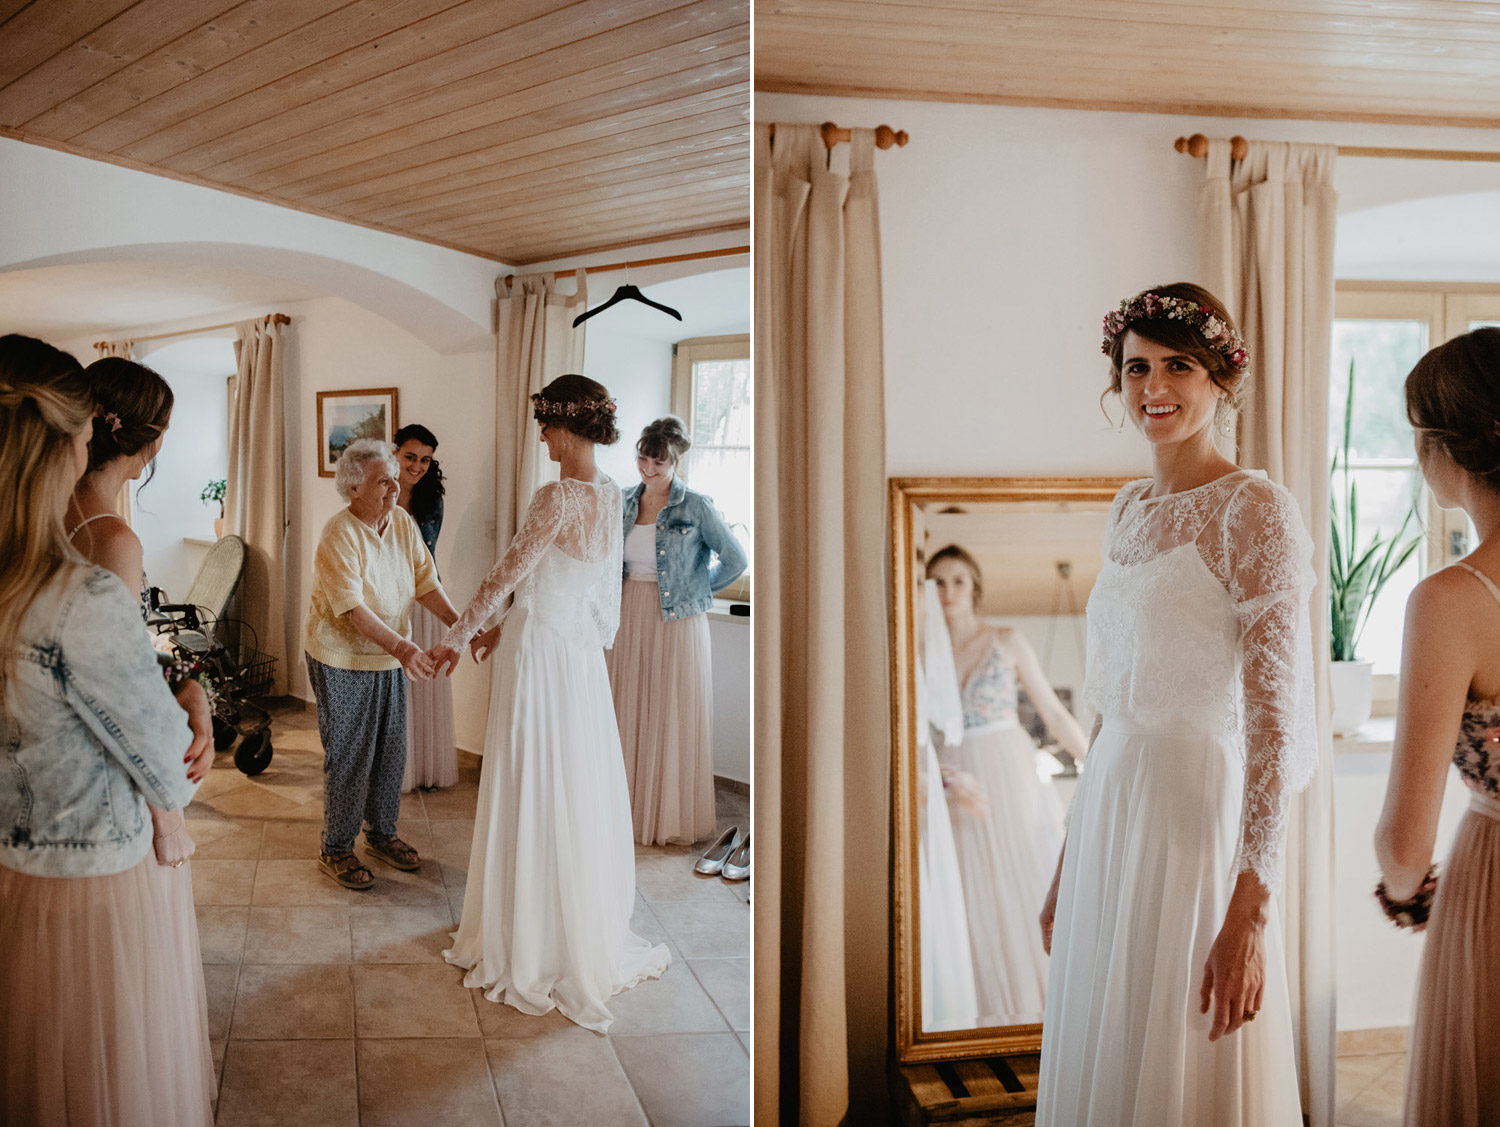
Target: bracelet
1415, 911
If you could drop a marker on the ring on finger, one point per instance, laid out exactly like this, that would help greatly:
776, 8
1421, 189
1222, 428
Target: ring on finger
1250, 1014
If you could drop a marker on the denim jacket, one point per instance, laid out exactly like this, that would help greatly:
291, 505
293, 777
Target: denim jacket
688, 530
88, 734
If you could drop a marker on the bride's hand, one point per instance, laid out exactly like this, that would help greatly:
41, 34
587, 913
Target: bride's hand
1234, 978
484, 644
444, 660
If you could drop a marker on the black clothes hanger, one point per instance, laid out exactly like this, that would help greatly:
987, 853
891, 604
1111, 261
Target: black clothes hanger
626, 292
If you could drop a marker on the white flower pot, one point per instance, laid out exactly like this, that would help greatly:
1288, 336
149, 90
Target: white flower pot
1351, 683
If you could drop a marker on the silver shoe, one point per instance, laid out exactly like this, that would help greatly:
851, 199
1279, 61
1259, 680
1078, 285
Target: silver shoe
720, 851
737, 864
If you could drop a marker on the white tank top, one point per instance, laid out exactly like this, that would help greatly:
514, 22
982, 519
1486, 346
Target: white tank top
640, 550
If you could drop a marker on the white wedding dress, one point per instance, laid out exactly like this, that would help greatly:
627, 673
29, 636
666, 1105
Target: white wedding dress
1200, 663
946, 963
551, 885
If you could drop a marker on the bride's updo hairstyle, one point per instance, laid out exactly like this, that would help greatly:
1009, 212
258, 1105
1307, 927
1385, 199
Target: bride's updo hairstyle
970, 564
1191, 321
578, 404
135, 405
666, 438
1453, 399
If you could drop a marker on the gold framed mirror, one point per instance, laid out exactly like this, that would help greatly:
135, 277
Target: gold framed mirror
987, 669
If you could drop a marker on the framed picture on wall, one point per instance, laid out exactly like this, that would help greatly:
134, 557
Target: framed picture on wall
344, 416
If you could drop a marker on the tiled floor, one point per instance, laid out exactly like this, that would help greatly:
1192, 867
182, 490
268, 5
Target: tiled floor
334, 1007
1371, 1081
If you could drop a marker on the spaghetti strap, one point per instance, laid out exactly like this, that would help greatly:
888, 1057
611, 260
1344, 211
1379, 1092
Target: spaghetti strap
77, 528
1483, 578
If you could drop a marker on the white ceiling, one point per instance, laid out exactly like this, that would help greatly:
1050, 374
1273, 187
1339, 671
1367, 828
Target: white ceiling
58, 302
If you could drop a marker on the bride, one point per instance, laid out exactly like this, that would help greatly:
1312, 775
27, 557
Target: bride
1168, 1000
551, 885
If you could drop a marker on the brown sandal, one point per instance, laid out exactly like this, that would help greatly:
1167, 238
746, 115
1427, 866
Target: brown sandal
393, 852
347, 870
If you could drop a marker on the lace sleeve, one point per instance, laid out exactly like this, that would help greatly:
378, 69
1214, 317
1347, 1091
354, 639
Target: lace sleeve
1267, 558
544, 520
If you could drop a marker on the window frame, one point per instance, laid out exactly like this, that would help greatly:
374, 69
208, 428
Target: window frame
1447, 308
686, 353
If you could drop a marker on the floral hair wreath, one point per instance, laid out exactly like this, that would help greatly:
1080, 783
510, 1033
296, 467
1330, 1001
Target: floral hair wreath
1156, 307
542, 407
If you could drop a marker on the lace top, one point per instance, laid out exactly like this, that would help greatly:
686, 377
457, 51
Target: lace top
1199, 622
1477, 755
990, 693
563, 567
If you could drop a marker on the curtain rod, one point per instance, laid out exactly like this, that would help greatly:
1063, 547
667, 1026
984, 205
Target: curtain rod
1197, 146
833, 135
722, 252
270, 319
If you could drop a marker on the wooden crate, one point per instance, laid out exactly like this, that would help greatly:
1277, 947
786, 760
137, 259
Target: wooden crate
968, 1093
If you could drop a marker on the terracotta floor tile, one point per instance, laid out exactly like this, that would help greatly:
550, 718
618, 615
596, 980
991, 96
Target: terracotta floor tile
412, 1001
400, 935
426, 1082
222, 882
221, 932
289, 1084
280, 1002
299, 935
727, 982
564, 1078
670, 1074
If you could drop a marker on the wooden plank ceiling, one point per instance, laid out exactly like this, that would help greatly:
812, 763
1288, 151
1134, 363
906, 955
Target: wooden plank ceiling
1429, 62
518, 130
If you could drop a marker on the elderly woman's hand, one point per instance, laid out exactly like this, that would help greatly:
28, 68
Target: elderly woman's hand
200, 754
418, 665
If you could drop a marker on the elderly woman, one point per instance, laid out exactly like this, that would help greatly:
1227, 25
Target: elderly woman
371, 565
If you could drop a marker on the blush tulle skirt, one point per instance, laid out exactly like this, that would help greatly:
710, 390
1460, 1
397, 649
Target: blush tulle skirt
661, 679
1454, 1072
431, 754
103, 1012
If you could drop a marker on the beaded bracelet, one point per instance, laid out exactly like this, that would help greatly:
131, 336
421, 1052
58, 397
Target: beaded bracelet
1414, 911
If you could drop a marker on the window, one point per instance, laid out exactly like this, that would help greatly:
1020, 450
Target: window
711, 384
1384, 331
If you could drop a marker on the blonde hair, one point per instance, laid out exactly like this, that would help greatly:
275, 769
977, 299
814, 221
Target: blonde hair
44, 403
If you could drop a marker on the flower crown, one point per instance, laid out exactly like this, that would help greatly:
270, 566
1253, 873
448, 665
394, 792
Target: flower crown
541, 407
1157, 307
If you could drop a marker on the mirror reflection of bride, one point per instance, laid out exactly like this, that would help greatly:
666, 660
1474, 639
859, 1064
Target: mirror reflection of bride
1008, 843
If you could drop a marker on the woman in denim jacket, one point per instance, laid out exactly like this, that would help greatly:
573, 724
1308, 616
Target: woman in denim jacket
659, 668
98, 1023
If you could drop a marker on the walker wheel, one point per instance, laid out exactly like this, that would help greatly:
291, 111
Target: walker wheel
254, 753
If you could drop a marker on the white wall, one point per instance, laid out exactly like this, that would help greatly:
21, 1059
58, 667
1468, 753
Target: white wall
62, 208
1007, 233
169, 510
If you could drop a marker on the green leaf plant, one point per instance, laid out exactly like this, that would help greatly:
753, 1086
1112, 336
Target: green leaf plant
1357, 575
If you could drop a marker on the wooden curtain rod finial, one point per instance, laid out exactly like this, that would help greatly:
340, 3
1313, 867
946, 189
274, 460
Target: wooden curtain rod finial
885, 136
1197, 146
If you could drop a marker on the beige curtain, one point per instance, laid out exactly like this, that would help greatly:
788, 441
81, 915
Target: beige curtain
125, 349
1268, 225
255, 501
537, 343
822, 722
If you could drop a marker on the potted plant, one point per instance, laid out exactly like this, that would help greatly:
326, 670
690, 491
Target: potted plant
214, 491
1356, 576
